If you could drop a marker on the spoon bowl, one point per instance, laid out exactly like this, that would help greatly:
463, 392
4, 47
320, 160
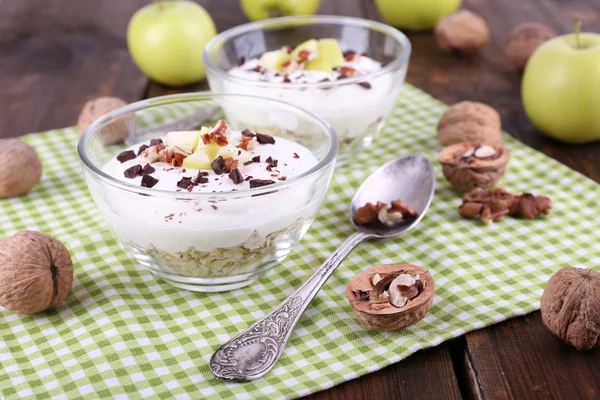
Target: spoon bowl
410, 178
253, 352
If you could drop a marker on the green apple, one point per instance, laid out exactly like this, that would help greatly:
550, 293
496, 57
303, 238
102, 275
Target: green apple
166, 39
311, 46
264, 9
561, 88
415, 15
198, 160
185, 140
273, 60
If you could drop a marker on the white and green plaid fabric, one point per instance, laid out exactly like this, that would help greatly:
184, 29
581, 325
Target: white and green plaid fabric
122, 333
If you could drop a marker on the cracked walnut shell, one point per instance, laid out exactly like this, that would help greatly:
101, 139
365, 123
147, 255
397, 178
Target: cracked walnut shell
524, 39
464, 31
473, 165
470, 121
36, 272
570, 306
372, 300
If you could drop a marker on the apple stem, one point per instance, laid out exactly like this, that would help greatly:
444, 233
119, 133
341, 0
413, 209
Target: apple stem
159, 4
577, 30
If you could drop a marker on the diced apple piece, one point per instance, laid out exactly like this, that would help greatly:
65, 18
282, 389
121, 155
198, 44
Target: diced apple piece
329, 49
273, 60
234, 152
306, 51
318, 64
198, 160
212, 149
185, 140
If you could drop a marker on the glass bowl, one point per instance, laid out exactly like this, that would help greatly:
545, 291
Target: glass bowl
352, 107
208, 241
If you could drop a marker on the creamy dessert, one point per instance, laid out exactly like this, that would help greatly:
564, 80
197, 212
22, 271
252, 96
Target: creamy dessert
211, 235
354, 109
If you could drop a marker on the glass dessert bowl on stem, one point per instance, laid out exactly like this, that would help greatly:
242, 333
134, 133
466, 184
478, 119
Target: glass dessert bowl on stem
210, 190
354, 94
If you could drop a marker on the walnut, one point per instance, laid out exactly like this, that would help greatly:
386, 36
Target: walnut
473, 165
21, 168
470, 121
464, 31
36, 272
524, 39
570, 306
492, 205
391, 297
112, 133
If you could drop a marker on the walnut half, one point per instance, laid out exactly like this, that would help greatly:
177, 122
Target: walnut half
473, 165
391, 297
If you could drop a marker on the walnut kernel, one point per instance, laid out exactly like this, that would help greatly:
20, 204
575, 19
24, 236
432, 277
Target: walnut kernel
463, 31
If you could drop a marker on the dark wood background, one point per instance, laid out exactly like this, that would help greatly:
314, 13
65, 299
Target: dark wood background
57, 54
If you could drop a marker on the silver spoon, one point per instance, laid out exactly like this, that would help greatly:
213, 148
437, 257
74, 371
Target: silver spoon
253, 352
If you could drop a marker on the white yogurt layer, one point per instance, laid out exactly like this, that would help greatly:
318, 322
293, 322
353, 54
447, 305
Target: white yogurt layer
352, 110
174, 224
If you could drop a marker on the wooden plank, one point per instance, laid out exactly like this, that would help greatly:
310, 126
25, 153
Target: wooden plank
58, 55
425, 375
521, 359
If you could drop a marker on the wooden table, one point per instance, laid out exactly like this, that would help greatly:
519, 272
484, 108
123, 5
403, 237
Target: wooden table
56, 54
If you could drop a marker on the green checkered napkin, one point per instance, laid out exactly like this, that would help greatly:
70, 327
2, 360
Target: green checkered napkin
122, 333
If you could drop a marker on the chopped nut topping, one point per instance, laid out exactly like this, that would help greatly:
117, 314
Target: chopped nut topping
219, 134
247, 143
126, 156
154, 154
348, 72
230, 164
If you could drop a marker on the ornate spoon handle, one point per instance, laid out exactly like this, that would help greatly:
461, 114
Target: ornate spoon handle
253, 352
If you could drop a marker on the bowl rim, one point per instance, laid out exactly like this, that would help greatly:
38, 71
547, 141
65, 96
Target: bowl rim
397, 63
328, 159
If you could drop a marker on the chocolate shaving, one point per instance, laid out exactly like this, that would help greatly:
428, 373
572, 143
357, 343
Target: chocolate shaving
218, 165
154, 142
236, 176
132, 172
269, 160
241, 61
248, 177
265, 139
148, 169
296, 155
142, 148
148, 181
366, 85
254, 183
213, 206
126, 156
248, 133
256, 159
